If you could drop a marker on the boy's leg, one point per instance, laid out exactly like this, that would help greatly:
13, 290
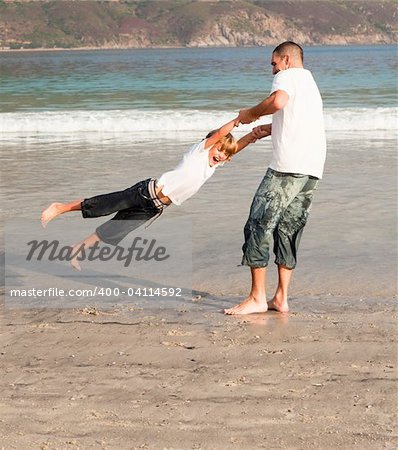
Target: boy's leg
105, 204
142, 208
100, 205
79, 248
116, 229
55, 209
113, 231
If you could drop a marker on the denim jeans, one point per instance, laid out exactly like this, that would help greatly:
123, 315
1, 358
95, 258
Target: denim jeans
279, 211
134, 207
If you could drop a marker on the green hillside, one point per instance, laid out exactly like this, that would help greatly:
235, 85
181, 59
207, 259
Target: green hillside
129, 24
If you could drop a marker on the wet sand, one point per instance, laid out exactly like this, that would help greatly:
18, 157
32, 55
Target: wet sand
349, 246
322, 377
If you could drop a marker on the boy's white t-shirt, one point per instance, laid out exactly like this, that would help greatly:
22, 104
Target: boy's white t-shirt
298, 133
189, 175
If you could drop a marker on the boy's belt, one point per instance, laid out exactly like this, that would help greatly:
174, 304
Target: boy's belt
152, 192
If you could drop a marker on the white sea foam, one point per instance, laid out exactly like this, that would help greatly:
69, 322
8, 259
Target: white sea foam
147, 122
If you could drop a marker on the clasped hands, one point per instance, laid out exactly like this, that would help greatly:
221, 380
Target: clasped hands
245, 117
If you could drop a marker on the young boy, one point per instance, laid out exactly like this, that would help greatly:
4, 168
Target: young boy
148, 198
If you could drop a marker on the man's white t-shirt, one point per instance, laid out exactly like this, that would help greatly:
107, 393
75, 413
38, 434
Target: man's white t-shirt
189, 176
298, 132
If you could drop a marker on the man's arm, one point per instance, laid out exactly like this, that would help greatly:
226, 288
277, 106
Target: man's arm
262, 131
276, 101
257, 133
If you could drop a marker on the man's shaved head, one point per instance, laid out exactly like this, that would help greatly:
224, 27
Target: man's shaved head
292, 49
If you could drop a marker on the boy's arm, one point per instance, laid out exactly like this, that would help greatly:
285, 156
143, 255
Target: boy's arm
245, 141
257, 133
221, 132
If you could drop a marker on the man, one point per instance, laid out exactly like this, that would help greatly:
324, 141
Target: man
281, 205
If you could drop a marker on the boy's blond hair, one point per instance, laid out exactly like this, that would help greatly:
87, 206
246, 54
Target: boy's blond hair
229, 144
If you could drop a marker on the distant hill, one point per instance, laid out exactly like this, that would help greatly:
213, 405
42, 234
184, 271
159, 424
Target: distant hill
176, 23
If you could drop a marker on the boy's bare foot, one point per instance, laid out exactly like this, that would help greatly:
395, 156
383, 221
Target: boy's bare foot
278, 305
54, 210
74, 262
249, 305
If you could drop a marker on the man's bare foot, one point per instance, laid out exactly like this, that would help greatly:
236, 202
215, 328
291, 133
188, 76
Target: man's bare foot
278, 305
249, 305
54, 210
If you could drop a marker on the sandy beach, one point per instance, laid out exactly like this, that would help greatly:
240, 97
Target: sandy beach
323, 377
186, 376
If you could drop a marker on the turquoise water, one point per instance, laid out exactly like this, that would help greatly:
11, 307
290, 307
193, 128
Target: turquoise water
135, 91
217, 78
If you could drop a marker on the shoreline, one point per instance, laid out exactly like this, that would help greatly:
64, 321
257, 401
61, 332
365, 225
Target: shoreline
165, 47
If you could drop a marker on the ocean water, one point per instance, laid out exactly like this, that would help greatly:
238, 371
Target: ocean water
129, 91
78, 123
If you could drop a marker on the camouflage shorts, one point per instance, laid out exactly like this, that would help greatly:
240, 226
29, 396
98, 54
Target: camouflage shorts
279, 210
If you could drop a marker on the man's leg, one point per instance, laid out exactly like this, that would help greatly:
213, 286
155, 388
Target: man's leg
256, 301
258, 235
287, 237
279, 301
268, 204
273, 197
